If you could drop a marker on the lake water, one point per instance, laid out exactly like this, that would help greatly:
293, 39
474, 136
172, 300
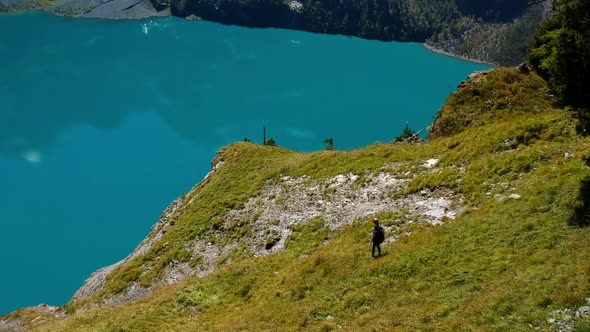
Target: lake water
103, 123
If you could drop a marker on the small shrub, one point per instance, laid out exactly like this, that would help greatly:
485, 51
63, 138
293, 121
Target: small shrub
270, 142
244, 290
192, 298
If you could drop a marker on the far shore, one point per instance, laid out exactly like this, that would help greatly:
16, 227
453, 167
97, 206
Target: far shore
151, 12
452, 55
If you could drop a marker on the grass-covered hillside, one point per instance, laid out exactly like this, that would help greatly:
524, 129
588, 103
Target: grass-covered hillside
506, 248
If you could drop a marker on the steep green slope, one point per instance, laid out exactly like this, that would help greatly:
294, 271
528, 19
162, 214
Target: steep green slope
486, 97
516, 258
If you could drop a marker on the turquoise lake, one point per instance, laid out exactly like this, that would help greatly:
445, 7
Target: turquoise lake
103, 123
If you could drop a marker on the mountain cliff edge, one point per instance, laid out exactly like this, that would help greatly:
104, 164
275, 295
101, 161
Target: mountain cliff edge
486, 226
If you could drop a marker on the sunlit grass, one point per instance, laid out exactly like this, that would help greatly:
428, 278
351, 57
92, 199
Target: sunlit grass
510, 260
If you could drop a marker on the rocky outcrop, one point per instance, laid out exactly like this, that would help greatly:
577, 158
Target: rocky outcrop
97, 280
109, 9
13, 325
564, 320
124, 9
265, 222
94, 283
41, 313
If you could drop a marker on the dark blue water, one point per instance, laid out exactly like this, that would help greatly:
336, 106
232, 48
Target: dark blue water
103, 123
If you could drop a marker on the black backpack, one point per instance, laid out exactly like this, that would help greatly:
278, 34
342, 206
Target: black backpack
379, 235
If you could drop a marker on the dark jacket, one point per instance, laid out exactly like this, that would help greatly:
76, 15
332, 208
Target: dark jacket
378, 234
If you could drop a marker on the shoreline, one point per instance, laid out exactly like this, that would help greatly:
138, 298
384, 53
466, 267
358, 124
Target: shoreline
113, 10
152, 13
452, 55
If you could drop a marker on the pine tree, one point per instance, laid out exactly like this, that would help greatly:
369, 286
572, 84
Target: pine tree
560, 52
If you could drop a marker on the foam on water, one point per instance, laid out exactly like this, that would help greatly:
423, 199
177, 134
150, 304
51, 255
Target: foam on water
33, 157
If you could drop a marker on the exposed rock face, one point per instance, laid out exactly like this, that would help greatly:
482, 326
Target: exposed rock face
473, 78
13, 325
96, 281
18, 324
564, 320
583, 312
266, 220
125, 9
110, 9
338, 201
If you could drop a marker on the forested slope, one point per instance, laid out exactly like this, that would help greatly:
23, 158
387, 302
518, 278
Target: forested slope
491, 31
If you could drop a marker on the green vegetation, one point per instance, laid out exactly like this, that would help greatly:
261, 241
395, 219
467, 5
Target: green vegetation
17, 6
497, 95
407, 132
270, 142
407, 135
329, 143
503, 42
560, 52
506, 263
307, 237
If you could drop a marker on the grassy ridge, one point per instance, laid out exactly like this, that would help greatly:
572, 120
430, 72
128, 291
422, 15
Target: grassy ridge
504, 264
493, 96
246, 169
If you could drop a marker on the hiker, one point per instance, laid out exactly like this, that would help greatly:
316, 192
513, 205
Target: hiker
378, 237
